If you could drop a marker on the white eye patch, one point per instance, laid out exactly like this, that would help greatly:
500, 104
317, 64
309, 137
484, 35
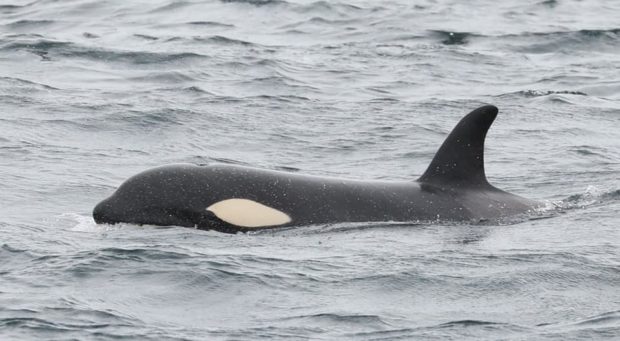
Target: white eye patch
248, 213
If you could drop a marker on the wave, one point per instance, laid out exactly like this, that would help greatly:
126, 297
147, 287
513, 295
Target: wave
177, 267
121, 118
13, 259
469, 323
154, 118
338, 7
564, 41
75, 323
173, 5
214, 39
164, 77
598, 326
223, 41
605, 324
145, 37
20, 24
592, 196
209, 24
14, 83
611, 317
457, 330
9, 8
542, 93
526, 42
338, 318
48, 49
586, 34
603, 155
258, 3
535, 42
137, 254
317, 21
280, 98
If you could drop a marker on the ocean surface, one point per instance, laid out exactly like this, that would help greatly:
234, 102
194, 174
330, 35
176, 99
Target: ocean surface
92, 92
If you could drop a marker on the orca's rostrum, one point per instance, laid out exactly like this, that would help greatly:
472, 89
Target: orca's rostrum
232, 198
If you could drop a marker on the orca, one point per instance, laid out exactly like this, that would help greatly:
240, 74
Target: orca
231, 198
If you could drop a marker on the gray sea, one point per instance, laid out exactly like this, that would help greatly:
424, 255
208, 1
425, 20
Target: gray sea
92, 92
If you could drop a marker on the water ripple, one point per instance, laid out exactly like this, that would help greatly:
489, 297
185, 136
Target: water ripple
92, 92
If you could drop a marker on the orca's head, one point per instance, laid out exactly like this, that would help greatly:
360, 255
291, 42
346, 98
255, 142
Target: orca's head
162, 196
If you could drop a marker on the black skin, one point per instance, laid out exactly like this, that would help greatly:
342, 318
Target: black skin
454, 188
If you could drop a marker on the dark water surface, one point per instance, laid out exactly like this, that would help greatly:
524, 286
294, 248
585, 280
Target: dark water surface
92, 92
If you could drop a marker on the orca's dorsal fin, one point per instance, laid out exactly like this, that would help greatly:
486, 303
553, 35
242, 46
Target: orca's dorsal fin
459, 162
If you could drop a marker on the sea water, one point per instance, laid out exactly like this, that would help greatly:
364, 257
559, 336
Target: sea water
92, 92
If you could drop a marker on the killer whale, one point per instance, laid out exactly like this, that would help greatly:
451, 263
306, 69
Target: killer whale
231, 198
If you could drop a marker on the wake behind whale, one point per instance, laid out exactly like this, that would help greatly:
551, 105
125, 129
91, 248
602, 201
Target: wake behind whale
230, 198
